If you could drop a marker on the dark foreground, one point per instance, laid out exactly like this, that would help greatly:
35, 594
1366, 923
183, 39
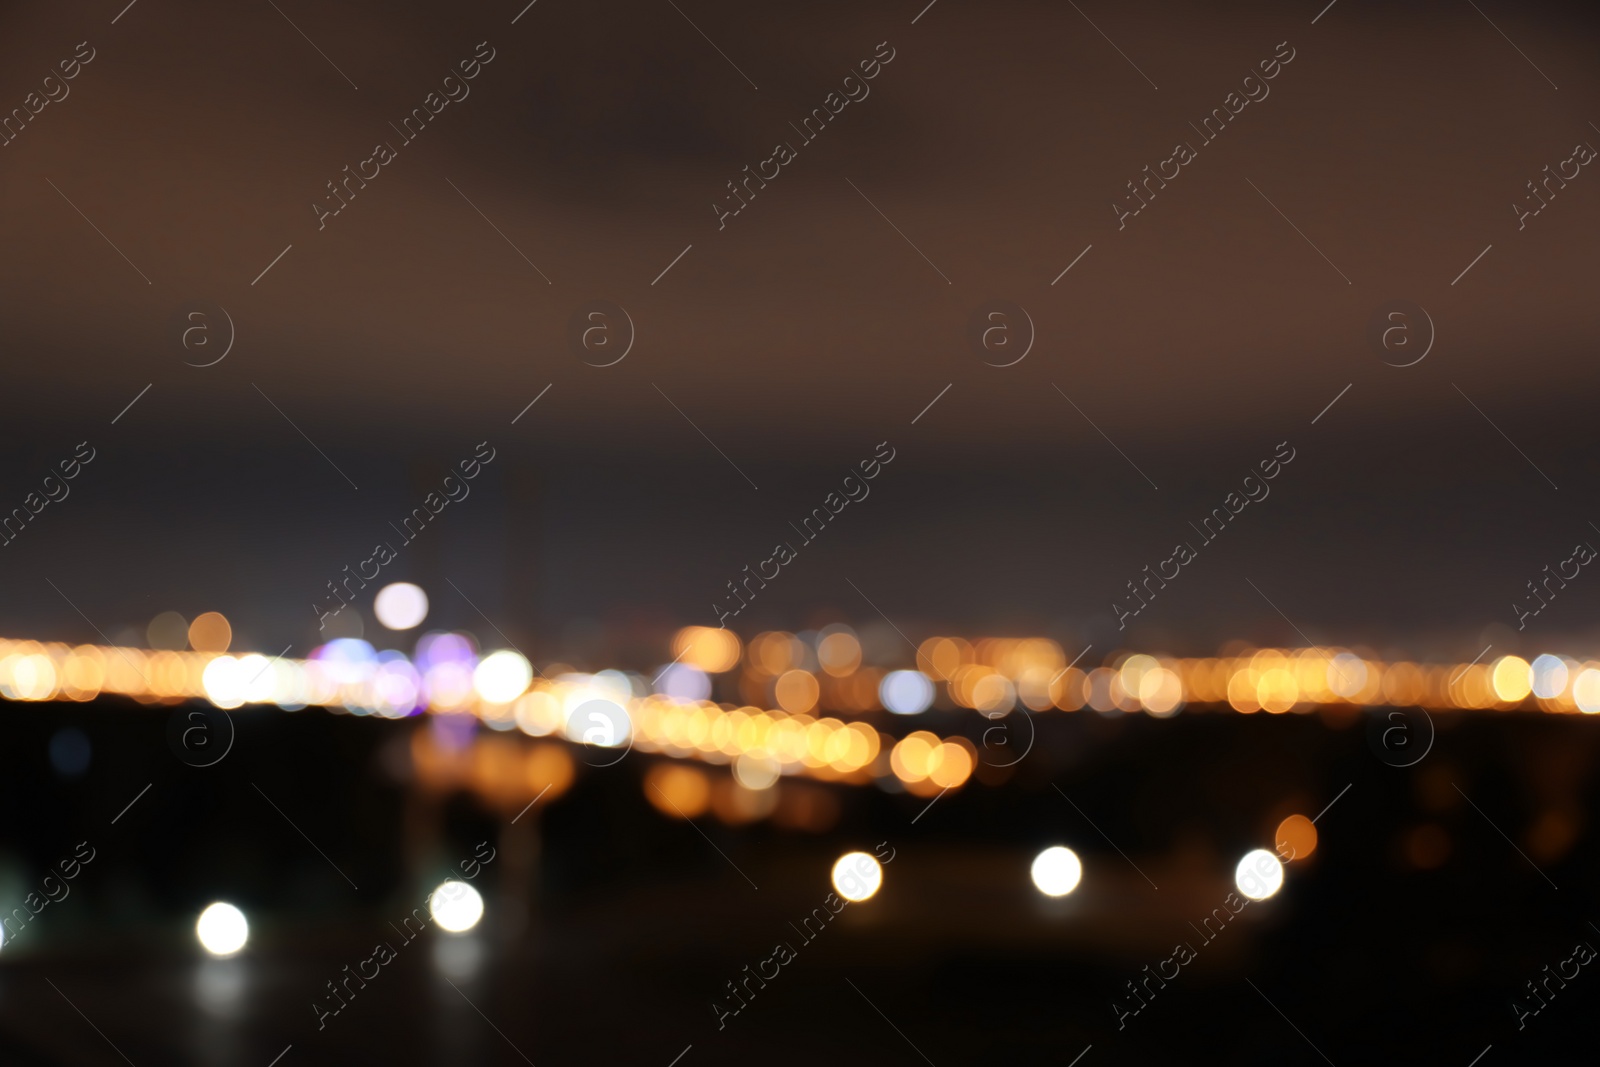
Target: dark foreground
1435, 895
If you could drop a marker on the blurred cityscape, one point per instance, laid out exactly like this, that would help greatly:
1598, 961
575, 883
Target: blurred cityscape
1088, 569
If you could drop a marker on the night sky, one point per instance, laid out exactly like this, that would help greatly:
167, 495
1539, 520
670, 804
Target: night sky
589, 158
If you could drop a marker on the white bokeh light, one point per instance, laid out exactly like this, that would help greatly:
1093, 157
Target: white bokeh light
1259, 874
756, 772
1347, 675
222, 929
905, 692
683, 682
1586, 690
857, 876
456, 906
502, 676
1549, 676
224, 683
1057, 871
400, 606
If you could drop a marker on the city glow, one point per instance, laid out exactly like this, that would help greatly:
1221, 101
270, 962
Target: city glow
799, 717
222, 929
1056, 871
455, 906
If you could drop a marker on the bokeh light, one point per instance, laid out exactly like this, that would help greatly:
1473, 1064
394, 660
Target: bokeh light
400, 606
1160, 691
776, 651
1259, 874
683, 682
1586, 691
503, 676
839, 652
597, 720
906, 692
449, 685
676, 790
911, 755
1512, 679
169, 631
857, 876
210, 633
950, 764
1056, 871
1347, 675
224, 682
348, 661
455, 906
711, 650
1297, 837
756, 772
796, 691
1549, 676
222, 929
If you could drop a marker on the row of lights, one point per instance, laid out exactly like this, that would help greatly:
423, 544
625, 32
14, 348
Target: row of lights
761, 745
671, 712
617, 709
800, 675
998, 675
222, 929
1057, 871
609, 709
1270, 680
